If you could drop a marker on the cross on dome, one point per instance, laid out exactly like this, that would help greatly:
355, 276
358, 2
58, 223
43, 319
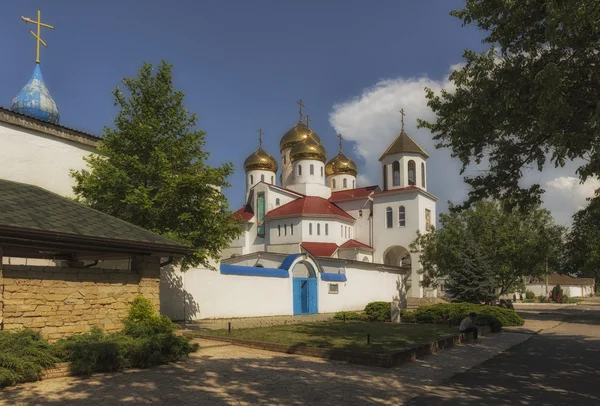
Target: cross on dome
37, 36
260, 134
299, 102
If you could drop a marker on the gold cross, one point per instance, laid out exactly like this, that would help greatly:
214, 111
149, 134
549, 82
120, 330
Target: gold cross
307, 120
37, 36
301, 105
402, 112
340, 138
260, 134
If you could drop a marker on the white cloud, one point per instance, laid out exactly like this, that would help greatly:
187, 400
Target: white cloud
372, 120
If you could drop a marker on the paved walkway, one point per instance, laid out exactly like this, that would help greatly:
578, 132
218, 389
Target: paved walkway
557, 367
223, 374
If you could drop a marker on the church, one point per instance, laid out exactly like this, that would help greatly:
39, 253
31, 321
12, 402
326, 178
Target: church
313, 241
318, 208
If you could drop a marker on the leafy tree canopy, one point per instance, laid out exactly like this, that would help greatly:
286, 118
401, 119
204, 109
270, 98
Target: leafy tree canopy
583, 242
533, 97
151, 170
485, 251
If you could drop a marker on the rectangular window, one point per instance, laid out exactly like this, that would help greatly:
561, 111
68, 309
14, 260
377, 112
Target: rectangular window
334, 288
260, 202
326, 229
285, 229
292, 229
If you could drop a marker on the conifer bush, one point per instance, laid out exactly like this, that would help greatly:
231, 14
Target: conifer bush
455, 312
23, 357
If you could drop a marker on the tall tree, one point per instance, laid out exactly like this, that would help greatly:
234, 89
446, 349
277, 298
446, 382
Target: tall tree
533, 97
485, 251
152, 171
583, 242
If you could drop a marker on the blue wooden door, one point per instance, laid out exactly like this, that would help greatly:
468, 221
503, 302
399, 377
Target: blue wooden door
305, 296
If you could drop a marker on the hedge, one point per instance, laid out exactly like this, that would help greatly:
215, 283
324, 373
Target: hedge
455, 312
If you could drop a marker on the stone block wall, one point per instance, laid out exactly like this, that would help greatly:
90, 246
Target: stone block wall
63, 301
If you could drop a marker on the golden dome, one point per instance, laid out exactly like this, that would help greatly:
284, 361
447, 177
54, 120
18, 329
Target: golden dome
260, 160
341, 164
310, 148
296, 134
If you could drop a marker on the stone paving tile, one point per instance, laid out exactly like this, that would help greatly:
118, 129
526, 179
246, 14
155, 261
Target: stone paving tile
228, 375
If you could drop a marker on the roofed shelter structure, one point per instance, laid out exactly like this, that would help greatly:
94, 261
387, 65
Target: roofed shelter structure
67, 267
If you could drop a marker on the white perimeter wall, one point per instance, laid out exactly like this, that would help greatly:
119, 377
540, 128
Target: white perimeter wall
40, 159
203, 294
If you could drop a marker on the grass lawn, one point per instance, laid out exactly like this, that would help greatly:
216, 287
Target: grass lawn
352, 335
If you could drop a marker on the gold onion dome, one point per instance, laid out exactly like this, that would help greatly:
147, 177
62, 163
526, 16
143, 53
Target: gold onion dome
341, 164
260, 160
296, 134
310, 148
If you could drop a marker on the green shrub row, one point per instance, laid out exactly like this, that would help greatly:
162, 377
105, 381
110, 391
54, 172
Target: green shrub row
147, 339
454, 312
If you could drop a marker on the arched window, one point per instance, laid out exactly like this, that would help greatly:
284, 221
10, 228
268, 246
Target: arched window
412, 178
401, 216
285, 229
299, 170
341, 231
365, 259
292, 229
360, 213
312, 169
277, 202
279, 230
396, 173
252, 179
333, 183
345, 183
272, 180
310, 228
389, 222
423, 174
353, 184
326, 229
318, 229
262, 178
321, 171
385, 179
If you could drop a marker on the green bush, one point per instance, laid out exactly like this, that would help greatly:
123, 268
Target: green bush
379, 311
23, 357
529, 295
147, 339
456, 312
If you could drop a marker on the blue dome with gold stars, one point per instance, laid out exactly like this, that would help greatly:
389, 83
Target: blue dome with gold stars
34, 99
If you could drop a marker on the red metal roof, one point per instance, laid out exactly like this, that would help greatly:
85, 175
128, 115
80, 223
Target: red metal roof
308, 205
403, 189
320, 249
355, 244
353, 193
245, 213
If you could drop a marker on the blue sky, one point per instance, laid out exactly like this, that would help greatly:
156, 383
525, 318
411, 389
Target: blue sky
243, 65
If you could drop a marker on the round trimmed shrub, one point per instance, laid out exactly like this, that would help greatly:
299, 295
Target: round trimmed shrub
379, 311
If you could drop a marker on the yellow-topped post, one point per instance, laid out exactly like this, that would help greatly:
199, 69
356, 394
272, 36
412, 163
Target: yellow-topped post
37, 36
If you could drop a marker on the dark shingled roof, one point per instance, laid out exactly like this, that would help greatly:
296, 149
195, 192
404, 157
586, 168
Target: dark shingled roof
403, 144
30, 208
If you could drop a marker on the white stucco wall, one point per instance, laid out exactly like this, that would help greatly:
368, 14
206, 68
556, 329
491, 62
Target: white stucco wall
36, 158
338, 179
360, 209
257, 176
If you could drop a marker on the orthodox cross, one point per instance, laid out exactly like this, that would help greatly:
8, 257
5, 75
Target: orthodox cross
340, 138
260, 134
299, 102
37, 36
307, 120
402, 113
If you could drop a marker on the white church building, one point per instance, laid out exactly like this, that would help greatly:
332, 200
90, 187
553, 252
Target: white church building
314, 240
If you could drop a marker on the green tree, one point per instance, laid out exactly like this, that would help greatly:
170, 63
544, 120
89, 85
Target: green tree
583, 242
486, 251
533, 98
151, 170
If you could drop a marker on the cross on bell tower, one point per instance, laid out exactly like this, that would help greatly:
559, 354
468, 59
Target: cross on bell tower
402, 113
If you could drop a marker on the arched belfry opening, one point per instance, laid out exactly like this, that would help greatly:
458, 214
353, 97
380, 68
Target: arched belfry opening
397, 256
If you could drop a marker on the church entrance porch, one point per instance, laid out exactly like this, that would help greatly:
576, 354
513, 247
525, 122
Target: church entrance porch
305, 289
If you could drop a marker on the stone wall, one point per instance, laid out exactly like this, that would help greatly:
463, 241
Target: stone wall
62, 301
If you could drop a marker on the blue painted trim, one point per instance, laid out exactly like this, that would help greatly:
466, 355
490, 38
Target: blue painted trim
338, 277
287, 262
227, 269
